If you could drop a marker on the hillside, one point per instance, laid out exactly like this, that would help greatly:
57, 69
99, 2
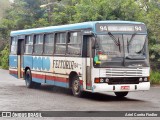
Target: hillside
4, 4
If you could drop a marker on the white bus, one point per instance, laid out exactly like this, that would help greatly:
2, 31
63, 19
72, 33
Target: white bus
98, 56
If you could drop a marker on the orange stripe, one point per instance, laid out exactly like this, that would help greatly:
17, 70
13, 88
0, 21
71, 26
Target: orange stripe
13, 72
53, 78
38, 76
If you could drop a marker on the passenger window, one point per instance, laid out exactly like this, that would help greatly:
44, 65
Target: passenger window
13, 45
28, 44
38, 44
48, 43
74, 43
60, 43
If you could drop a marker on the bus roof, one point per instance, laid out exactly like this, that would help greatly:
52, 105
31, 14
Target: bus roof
75, 26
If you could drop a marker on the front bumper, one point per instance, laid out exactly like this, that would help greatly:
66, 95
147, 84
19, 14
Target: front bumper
104, 87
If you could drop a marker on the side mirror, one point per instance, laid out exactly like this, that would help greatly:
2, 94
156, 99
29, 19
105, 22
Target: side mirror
95, 46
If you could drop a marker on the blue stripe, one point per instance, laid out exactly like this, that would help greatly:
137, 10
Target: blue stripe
14, 75
60, 84
51, 82
38, 80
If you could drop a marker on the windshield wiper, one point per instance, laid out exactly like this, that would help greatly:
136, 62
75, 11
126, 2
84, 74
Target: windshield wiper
135, 57
129, 42
142, 50
115, 40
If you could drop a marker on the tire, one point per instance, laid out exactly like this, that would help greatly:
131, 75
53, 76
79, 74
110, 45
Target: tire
121, 94
28, 79
29, 82
76, 90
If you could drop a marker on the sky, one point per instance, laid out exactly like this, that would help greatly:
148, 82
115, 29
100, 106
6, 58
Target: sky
11, 1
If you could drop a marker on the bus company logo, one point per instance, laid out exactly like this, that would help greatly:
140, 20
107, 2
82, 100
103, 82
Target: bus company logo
64, 64
6, 114
37, 63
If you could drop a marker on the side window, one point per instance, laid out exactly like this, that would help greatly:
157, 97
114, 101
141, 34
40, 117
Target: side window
38, 44
28, 44
48, 43
74, 43
60, 47
13, 45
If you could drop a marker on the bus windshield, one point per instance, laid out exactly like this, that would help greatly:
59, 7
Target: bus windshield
119, 47
135, 46
110, 45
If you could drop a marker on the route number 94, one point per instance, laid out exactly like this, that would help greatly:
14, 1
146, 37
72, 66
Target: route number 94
103, 28
138, 28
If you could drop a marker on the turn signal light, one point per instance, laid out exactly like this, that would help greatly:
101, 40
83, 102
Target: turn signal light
97, 80
101, 80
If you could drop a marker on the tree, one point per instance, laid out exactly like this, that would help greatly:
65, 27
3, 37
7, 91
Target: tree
4, 57
4, 4
28, 14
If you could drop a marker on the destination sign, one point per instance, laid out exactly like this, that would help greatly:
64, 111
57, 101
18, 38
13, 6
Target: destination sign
103, 27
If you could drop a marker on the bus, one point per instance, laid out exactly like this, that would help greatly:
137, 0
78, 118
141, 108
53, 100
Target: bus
95, 56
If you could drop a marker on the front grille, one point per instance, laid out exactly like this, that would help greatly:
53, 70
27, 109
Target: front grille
113, 81
123, 72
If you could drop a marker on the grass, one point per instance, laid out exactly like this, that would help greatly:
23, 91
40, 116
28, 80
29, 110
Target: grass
155, 77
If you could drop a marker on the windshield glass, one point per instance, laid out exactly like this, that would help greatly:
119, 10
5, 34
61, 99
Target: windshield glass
134, 44
114, 49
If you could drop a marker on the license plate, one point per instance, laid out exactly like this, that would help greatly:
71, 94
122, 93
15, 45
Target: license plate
125, 88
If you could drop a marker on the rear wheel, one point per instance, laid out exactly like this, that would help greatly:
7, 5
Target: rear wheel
121, 94
28, 79
76, 90
29, 82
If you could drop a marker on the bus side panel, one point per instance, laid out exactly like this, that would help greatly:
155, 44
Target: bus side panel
57, 73
47, 64
37, 68
13, 59
62, 67
75, 65
27, 61
48, 68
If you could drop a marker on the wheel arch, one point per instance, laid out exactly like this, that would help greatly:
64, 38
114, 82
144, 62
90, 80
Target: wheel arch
71, 75
25, 70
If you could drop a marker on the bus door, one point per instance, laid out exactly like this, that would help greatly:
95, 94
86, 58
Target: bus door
88, 63
20, 52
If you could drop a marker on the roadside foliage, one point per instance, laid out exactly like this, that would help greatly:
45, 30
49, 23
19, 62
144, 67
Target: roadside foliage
23, 14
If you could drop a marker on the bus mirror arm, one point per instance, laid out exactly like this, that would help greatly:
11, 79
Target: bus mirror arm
95, 46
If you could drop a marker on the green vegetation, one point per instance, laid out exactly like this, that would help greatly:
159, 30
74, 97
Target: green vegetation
4, 4
24, 14
4, 57
155, 77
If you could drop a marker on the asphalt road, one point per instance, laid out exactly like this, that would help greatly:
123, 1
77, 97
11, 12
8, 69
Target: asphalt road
14, 96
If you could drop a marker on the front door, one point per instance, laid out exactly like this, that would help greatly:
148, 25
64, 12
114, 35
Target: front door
88, 63
20, 53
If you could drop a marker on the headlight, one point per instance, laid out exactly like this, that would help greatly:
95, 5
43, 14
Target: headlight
140, 79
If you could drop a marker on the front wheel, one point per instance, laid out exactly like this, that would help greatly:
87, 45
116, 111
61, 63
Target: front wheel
121, 94
76, 90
